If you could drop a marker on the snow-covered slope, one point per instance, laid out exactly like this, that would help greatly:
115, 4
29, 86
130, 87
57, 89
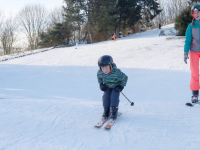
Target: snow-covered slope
52, 99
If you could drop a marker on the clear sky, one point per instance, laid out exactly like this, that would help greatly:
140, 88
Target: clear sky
13, 6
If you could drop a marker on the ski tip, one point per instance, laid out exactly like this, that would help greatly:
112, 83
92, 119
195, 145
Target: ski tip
108, 127
189, 104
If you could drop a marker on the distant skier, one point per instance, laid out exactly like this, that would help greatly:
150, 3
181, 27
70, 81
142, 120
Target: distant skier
129, 32
112, 82
113, 36
159, 26
76, 45
120, 34
192, 45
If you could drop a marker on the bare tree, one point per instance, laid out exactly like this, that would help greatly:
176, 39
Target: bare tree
8, 35
170, 10
1, 19
33, 19
56, 16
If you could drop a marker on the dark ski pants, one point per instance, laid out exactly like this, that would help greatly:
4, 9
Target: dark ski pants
110, 98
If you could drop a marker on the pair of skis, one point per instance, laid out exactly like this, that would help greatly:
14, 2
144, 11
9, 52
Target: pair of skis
109, 124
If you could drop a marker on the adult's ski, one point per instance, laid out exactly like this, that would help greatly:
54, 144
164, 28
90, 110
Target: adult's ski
192, 104
111, 122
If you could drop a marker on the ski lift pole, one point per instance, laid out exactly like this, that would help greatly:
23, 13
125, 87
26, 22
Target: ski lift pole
132, 103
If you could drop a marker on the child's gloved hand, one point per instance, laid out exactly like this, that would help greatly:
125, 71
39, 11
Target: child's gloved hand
119, 88
103, 87
186, 57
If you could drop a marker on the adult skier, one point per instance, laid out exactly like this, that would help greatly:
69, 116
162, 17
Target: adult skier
192, 47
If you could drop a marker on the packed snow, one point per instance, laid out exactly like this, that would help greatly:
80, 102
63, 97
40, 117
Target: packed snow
52, 100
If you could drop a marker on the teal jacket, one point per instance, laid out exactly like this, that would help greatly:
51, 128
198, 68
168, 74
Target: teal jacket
192, 36
111, 80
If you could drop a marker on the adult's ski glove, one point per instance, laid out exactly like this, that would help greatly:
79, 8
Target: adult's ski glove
186, 57
119, 88
103, 87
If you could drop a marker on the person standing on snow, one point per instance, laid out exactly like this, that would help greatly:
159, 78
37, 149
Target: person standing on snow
114, 37
129, 32
159, 26
76, 45
112, 81
192, 45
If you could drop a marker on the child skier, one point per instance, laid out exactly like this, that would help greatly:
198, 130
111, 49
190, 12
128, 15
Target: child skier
114, 37
192, 44
112, 82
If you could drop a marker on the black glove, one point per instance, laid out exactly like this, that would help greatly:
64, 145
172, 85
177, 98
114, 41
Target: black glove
119, 88
103, 87
186, 57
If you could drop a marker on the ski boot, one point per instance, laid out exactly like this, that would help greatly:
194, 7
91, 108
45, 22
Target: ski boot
114, 112
106, 113
195, 95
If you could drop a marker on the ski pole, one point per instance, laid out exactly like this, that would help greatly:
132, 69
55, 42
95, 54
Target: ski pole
132, 103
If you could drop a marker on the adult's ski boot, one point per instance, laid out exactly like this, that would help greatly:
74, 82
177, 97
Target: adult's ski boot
195, 95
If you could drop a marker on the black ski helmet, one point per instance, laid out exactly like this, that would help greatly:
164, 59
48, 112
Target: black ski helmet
105, 60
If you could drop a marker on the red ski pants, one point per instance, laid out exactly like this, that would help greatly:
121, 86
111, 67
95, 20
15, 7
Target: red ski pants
194, 67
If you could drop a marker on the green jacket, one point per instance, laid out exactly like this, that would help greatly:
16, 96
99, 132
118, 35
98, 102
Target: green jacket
111, 80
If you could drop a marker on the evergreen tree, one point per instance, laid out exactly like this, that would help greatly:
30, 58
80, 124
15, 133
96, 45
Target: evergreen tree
102, 17
150, 9
79, 11
125, 12
134, 14
103, 24
74, 16
60, 34
183, 20
129, 12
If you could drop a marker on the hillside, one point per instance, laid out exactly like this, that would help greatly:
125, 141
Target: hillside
52, 99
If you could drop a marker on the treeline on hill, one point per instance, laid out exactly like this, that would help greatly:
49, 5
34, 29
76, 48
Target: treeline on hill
96, 20
184, 18
34, 26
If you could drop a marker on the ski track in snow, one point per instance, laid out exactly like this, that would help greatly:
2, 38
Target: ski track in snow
52, 99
